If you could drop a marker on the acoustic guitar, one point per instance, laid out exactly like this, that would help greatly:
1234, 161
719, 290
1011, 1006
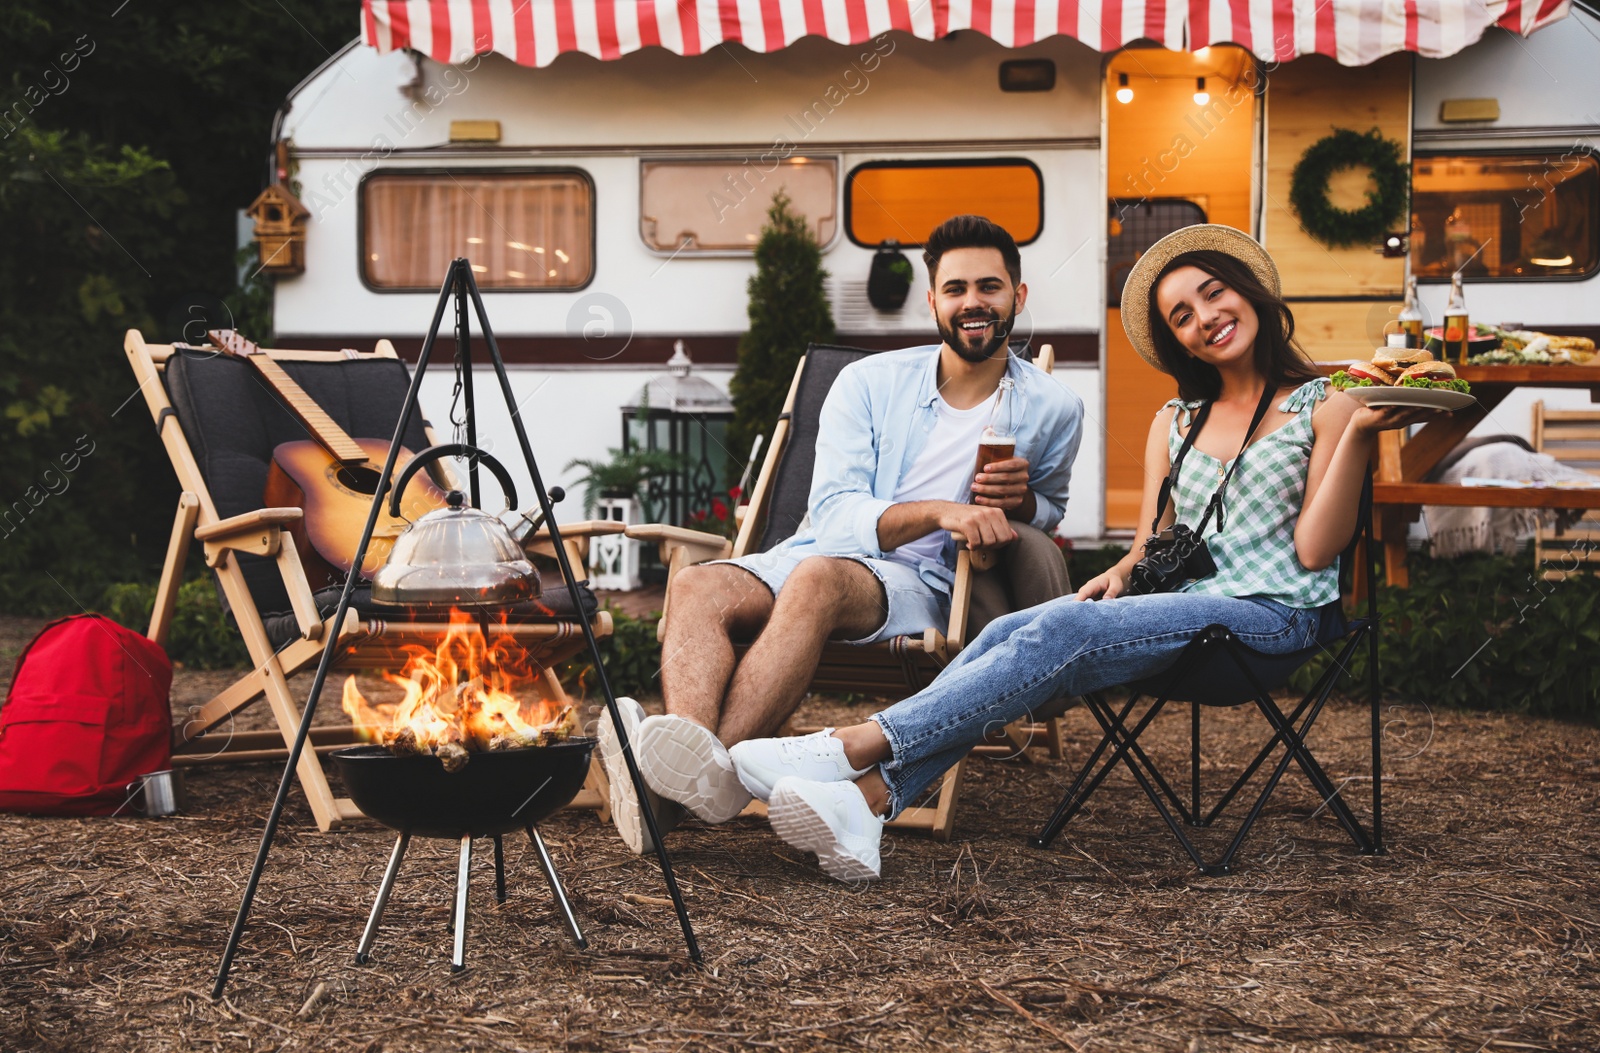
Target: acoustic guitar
332, 477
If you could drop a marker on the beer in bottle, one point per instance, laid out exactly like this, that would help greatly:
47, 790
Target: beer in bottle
1456, 328
1411, 316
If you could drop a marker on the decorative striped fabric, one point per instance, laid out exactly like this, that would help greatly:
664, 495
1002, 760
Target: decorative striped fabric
534, 32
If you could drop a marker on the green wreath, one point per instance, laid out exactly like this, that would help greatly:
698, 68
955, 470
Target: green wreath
1386, 203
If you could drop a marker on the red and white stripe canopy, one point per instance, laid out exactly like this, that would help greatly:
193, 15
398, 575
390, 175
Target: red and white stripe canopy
534, 32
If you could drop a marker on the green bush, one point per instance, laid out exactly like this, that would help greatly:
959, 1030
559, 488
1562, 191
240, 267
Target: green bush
201, 636
632, 656
1481, 632
788, 310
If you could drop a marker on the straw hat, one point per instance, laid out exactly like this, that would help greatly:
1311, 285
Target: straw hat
1213, 236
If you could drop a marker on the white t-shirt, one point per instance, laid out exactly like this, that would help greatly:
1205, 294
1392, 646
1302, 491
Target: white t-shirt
942, 471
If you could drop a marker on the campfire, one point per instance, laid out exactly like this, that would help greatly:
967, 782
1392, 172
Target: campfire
462, 698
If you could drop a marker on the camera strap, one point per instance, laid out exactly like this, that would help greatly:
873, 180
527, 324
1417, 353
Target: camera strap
1215, 504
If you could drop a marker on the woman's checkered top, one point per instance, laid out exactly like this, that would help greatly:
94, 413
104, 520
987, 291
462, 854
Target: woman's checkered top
1254, 546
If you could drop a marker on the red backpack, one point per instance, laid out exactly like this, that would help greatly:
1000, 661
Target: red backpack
87, 714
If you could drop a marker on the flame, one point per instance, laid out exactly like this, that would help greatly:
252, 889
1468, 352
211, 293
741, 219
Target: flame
459, 698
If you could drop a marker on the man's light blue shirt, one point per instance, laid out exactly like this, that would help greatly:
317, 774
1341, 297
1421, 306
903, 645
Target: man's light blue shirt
876, 420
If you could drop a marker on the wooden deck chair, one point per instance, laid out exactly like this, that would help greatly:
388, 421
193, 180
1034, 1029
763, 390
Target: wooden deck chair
1573, 438
219, 425
893, 669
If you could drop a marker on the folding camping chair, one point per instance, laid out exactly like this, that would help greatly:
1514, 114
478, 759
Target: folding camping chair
1217, 669
219, 425
896, 668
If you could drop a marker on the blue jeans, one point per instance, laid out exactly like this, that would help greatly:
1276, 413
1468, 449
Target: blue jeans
1064, 647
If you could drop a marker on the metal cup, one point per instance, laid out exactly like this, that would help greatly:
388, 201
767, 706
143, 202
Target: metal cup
156, 794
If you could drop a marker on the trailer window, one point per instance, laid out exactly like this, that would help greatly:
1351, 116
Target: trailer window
905, 200
721, 205
519, 230
1506, 216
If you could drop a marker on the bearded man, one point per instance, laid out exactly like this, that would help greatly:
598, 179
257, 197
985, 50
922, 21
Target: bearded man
874, 558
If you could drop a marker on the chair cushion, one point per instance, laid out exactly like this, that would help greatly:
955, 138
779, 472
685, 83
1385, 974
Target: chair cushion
1218, 681
233, 421
791, 485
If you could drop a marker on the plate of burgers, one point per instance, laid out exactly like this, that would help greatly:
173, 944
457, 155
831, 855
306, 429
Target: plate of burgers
1399, 376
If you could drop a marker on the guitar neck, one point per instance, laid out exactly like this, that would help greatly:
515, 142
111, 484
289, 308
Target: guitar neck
327, 434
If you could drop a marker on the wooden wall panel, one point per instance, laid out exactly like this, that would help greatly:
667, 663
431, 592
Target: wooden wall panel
1306, 100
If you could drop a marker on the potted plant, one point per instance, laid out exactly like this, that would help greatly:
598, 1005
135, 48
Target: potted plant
623, 477
889, 280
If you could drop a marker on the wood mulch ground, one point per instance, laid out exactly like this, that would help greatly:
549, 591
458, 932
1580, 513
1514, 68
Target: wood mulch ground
1476, 932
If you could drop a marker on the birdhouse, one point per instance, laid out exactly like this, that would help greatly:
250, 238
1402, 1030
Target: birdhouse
280, 230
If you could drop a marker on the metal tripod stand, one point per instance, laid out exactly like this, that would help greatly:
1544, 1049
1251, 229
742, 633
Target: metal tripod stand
460, 288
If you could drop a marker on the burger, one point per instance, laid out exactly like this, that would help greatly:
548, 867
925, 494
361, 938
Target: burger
1399, 367
1431, 375
1396, 360
1361, 375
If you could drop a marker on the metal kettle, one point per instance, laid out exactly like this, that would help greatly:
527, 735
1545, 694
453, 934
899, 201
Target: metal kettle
456, 556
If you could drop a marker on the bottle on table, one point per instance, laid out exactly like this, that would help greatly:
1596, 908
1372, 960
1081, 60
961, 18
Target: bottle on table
1457, 331
1411, 316
999, 439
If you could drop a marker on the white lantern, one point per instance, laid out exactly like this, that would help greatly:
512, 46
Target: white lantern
614, 558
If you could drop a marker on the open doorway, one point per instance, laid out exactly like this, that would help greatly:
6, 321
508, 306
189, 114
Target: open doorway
1180, 144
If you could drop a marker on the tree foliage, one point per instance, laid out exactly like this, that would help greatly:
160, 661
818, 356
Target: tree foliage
129, 137
788, 310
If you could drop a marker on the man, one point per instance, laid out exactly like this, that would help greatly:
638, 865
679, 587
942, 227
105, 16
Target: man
874, 559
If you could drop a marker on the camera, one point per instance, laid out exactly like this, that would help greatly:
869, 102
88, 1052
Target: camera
1171, 558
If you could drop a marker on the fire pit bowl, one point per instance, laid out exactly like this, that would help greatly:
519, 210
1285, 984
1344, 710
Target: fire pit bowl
498, 791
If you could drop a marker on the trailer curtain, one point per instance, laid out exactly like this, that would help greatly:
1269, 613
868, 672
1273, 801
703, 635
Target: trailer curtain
534, 32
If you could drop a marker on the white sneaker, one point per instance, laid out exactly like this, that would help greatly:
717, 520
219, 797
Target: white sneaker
624, 804
831, 819
685, 762
818, 757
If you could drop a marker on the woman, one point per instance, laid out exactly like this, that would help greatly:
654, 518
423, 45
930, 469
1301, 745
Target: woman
1202, 305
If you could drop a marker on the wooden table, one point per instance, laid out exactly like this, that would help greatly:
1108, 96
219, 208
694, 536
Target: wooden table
1398, 489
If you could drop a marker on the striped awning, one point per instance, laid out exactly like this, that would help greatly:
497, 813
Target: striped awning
534, 32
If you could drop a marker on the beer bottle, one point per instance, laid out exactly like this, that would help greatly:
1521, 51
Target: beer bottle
1456, 328
1411, 316
999, 439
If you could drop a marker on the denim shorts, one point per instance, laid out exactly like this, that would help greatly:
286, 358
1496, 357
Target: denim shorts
914, 605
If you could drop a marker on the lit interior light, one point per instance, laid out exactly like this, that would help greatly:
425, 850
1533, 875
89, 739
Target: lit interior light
799, 160
539, 249
474, 241
1539, 261
480, 269
1201, 96
752, 237
1124, 93
563, 257
552, 273
515, 274
373, 257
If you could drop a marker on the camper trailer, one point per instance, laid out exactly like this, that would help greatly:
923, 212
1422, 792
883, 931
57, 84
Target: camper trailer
607, 174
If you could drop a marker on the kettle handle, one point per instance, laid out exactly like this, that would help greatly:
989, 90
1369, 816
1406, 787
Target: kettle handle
451, 449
